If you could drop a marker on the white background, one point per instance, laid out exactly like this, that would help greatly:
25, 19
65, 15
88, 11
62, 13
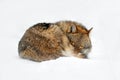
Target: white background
103, 15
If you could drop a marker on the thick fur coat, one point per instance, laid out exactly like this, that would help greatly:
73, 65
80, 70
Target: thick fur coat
46, 41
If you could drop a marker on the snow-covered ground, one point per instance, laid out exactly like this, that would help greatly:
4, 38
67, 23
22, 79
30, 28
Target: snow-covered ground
103, 15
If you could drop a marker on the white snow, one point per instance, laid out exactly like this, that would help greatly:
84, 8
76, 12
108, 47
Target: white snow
103, 15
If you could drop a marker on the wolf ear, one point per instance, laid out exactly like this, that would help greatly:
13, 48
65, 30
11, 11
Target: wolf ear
90, 30
73, 29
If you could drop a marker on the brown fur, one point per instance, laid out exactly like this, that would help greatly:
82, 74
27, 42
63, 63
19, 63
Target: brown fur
46, 41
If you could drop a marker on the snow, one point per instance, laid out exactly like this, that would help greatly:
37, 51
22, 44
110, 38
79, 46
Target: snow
104, 60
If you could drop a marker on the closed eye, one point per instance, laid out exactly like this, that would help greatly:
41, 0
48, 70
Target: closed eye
81, 47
